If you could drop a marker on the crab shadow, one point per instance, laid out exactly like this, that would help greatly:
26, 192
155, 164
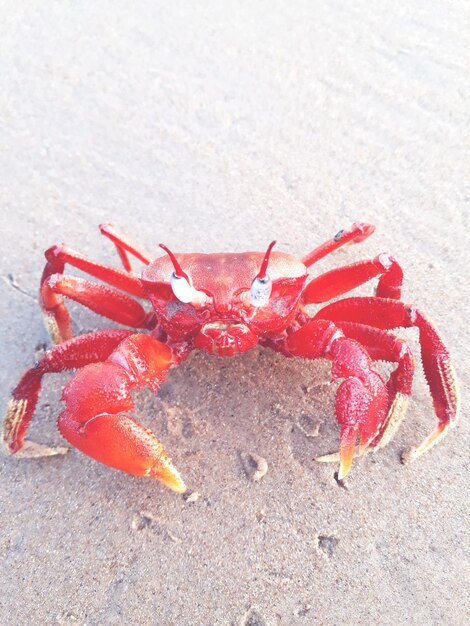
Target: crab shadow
211, 410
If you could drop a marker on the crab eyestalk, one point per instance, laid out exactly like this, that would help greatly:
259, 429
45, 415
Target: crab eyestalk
179, 272
264, 265
261, 286
181, 283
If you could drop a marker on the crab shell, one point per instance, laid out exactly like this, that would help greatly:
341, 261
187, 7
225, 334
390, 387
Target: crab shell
221, 319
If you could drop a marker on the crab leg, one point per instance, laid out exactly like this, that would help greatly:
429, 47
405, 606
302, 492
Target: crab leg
73, 354
388, 314
60, 255
362, 398
99, 298
124, 245
343, 279
358, 233
56, 316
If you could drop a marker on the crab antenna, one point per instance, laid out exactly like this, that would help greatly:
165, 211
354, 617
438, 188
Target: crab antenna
178, 271
264, 264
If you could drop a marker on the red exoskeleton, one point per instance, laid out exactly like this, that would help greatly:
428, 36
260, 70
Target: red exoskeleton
225, 304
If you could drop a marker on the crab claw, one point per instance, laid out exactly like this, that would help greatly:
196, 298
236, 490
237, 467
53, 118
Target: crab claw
361, 404
98, 399
116, 440
167, 474
347, 445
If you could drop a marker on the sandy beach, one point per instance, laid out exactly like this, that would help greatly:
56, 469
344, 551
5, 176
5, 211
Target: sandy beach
219, 127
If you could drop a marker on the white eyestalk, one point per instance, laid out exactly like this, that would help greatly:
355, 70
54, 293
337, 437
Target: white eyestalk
260, 291
182, 289
181, 284
261, 286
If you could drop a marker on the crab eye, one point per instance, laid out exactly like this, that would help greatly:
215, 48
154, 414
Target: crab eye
182, 289
260, 291
181, 283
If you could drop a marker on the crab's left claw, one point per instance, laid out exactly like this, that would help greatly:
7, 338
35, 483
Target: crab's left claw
362, 398
347, 445
361, 403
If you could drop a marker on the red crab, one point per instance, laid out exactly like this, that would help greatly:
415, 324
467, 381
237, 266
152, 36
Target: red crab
225, 304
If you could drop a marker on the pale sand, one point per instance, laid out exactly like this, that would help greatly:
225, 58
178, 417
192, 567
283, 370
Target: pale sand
220, 128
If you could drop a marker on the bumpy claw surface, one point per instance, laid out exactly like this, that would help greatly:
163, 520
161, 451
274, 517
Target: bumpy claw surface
98, 399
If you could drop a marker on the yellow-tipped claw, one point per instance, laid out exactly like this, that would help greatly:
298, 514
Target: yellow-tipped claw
167, 473
347, 451
347, 446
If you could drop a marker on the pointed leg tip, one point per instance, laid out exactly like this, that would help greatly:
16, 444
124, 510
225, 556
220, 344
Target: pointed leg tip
32, 450
347, 448
411, 454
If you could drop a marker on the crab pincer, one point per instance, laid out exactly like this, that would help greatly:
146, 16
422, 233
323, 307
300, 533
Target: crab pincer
97, 401
361, 399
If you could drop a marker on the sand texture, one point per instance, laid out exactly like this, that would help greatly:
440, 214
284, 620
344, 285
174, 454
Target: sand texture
218, 126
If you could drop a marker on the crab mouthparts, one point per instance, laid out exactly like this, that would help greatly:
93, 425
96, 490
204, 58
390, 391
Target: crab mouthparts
223, 325
225, 337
